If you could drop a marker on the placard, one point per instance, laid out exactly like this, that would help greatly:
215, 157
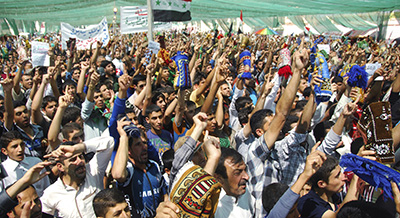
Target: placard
39, 54
85, 36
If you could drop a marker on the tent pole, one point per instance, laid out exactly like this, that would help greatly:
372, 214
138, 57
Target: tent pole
150, 20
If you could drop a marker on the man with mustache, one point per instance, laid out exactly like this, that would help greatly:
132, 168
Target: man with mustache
72, 194
234, 200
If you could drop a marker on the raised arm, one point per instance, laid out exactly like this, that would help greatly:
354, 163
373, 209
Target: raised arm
147, 99
8, 103
17, 78
119, 171
179, 109
55, 126
308, 112
81, 82
286, 101
93, 60
265, 90
37, 116
220, 77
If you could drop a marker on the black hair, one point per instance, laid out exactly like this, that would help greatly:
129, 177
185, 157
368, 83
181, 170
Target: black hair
138, 78
8, 137
300, 105
156, 95
68, 83
324, 171
190, 104
152, 108
225, 154
47, 100
307, 92
257, 121
289, 121
271, 194
105, 63
356, 144
241, 102
337, 79
105, 199
69, 128
169, 89
18, 104
75, 68
168, 158
71, 114
199, 76
362, 209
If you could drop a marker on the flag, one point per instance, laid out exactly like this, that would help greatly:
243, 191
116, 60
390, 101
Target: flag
171, 10
241, 23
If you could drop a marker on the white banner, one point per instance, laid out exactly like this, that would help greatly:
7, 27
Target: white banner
134, 20
39, 54
154, 47
84, 37
324, 47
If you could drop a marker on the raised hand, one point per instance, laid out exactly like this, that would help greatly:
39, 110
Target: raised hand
62, 152
124, 82
120, 126
300, 59
212, 148
314, 161
200, 120
369, 154
315, 80
65, 100
7, 84
33, 174
94, 78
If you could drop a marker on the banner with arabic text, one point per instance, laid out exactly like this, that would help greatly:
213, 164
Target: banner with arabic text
85, 36
134, 20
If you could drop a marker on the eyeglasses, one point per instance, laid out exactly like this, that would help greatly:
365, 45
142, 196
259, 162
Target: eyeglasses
141, 86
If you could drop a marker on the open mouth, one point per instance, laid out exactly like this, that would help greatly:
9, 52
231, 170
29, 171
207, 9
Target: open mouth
80, 170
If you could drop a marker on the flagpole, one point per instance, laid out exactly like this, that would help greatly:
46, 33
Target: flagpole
150, 20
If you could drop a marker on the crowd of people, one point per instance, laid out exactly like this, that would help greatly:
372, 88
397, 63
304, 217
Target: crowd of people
212, 125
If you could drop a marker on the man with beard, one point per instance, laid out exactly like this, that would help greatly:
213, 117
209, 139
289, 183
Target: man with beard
138, 177
94, 112
73, 192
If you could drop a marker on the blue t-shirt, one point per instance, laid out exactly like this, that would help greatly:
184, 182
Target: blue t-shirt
162, 142
144, 190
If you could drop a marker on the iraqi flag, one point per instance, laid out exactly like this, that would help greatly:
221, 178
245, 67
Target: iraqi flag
171, 10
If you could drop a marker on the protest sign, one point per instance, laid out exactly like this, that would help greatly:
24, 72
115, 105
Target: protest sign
324, 47
39, 54
154, 47
134, 20
371, 68
84, 37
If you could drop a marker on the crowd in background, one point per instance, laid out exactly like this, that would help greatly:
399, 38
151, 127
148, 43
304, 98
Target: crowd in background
258, 131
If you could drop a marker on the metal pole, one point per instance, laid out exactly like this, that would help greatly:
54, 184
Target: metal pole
150, 20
